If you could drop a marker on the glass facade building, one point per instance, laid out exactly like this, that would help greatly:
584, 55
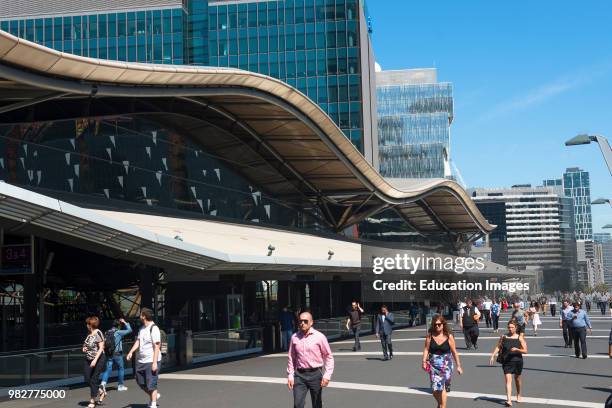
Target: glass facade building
414, 118
320, 47
605, 239
577, 186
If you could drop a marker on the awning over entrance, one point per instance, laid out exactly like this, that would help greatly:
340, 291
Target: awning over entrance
273, 134
185, 245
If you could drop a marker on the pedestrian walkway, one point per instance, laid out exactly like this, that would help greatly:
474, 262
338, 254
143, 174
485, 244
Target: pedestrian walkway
552, 377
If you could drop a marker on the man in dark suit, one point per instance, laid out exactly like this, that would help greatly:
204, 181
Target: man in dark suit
384, 328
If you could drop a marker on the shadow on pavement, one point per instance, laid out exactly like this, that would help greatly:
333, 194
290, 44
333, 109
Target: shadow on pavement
565, 372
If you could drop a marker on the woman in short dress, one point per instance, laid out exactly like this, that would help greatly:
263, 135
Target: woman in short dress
511, 346
534, 315
95, 360
438, 356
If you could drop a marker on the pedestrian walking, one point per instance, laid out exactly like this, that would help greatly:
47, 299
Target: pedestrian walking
439, 356
580, 322
521, 317
565, 323
552, 305
114, 354
384, 329
469, 324
509, 352
95, 360
534, 314
353, 323
504, 305
310, 363
486, 306
495, 312
148, 364
287, 324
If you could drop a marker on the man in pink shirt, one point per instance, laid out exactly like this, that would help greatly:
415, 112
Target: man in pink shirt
310, 364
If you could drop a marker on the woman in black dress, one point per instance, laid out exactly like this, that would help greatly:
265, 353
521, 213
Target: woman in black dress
511, 347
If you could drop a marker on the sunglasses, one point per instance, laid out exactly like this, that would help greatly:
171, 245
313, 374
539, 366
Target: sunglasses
303, 321
438, 324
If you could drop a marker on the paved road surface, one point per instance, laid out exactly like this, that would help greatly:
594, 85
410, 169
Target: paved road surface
552, 377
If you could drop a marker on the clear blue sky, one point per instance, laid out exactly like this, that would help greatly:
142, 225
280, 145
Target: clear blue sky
527, 75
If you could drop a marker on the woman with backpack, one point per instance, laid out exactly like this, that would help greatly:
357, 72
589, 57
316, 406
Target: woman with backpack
509, 352
95, 360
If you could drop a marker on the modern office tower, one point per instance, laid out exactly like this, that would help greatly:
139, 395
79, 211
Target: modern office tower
321, 47
414, 117
597, 271
534, 230
576, 185
556, 185
605, 240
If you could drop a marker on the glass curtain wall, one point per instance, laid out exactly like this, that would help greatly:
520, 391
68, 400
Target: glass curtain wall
311, 45
414, 129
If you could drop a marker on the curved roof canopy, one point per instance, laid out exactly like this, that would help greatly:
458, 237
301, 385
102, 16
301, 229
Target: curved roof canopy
271, 133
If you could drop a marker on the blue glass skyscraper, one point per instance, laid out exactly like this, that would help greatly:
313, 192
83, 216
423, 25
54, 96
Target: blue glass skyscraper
577, 185
414, 117
321, 47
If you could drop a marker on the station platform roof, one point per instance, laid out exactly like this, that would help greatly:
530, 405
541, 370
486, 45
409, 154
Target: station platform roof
274, 135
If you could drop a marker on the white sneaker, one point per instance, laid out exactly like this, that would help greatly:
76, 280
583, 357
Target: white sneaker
122, 388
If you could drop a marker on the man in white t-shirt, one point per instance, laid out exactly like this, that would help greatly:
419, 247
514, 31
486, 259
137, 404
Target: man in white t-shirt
486, 306
148, 364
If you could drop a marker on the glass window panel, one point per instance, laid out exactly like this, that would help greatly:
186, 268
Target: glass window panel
332, 88
331, 35
353, 61
243, 16
112, 25
300, 37
243, 62
39, 35
252, 13
290, 38
122, 24
232, 16
233, 44
330, 10
343, 88
351, 10
311, 63
344, 115
321, 62
243, 42
332, 62
272, 13
102, 29
352, 34
341, 34
289, 12
273, 39
222, 18
299, 12
48, 29
177, 21
131, 24
340, 9
67, 34
263, 64
290, 58
301, 64
320, 10
342, 61
262, 14
140, 23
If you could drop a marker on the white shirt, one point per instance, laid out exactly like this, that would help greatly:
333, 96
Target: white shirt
552, 302
147, 337
487, 305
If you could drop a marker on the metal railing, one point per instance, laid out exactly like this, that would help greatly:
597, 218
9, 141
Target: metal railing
336, 327
226, 343
65, 364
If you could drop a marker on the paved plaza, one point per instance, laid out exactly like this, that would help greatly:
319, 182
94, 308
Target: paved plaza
552, 377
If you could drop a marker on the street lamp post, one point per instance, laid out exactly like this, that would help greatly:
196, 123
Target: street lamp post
603, 145
602, 201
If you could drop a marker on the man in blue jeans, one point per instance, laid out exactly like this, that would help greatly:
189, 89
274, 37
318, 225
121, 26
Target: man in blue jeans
121, 329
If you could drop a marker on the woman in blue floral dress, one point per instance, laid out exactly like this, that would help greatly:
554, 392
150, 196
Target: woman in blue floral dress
439, 358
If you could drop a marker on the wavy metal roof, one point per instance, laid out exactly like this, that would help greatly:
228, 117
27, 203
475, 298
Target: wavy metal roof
276, 136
